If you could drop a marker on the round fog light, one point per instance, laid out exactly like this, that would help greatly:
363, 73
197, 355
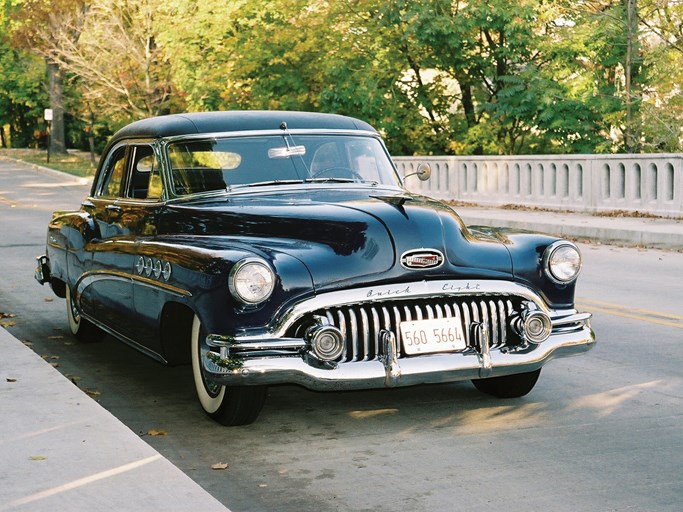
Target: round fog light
537, 327
327, 342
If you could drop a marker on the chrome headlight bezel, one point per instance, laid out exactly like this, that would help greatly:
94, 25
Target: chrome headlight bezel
251, 281
562, 262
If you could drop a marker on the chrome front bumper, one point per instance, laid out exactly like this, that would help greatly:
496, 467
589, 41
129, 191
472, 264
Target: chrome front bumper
271, 357
390, 371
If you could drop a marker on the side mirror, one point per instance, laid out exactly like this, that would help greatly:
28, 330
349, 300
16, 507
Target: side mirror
424, 172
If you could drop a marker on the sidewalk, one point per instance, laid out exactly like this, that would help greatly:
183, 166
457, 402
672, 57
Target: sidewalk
657, 233
62, 451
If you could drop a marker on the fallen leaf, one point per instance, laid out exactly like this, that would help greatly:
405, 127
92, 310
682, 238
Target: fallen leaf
38, 457
219, 465
11, 379
7, 323
49, 299
155, 433
92, 393
57, 337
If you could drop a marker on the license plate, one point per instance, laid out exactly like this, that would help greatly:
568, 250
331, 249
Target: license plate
429, 336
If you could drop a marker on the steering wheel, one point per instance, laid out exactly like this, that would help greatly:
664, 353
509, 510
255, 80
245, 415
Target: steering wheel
338, 172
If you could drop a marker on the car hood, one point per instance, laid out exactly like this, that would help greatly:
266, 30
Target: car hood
343, 236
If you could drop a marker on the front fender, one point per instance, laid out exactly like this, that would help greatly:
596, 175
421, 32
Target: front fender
201, 268
526, 250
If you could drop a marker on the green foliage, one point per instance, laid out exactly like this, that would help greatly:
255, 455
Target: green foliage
434, 76
22, 96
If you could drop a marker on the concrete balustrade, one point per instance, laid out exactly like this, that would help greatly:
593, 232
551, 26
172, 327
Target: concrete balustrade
647, 183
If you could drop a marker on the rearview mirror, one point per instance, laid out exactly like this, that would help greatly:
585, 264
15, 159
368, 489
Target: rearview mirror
423, 172
286, 152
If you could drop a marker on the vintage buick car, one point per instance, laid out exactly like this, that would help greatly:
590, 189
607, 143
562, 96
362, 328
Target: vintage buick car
282, 248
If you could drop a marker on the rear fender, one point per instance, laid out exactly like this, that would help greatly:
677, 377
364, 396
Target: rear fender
67, 235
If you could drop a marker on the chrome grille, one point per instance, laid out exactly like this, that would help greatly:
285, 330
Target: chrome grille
361, 323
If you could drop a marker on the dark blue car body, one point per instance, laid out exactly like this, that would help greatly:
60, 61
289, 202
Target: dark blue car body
281, 247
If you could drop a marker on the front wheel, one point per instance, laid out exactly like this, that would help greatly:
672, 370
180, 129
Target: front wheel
81, 328
508, 386
228, 405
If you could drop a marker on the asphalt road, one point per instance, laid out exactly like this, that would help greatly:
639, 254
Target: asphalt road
600, 432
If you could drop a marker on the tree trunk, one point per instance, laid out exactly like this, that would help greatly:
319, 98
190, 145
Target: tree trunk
632, 131
56, 81
91, 139
467, 100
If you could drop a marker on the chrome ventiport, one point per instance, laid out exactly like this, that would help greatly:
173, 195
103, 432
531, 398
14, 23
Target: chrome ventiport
326, 340
533, 325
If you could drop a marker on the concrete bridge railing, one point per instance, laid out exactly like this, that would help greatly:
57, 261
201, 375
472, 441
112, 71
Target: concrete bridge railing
646, 183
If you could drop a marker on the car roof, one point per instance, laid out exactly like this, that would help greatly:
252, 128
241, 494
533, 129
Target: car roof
235, 120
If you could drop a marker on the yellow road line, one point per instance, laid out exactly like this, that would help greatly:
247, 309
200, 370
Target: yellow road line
645, 315
639, 310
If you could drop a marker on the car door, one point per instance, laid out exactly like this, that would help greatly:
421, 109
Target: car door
118, 212
152, 268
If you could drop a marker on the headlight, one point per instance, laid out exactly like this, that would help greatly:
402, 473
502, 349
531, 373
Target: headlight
562, 262
251, 281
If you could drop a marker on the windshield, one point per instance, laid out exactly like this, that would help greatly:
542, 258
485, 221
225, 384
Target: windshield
233, 162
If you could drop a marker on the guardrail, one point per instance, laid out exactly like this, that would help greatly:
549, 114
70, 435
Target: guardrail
647, 183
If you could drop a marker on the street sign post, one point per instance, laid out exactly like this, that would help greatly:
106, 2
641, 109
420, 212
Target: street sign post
47, 115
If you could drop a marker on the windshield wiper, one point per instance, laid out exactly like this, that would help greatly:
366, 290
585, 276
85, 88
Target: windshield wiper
339, 180
266, 183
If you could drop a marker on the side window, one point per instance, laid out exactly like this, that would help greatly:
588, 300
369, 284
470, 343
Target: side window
145, 182
114, 174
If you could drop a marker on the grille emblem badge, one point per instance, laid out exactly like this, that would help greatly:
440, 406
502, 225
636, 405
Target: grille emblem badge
422, 259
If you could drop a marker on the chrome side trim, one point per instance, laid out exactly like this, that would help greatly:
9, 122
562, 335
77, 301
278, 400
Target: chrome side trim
125, 339
88, 278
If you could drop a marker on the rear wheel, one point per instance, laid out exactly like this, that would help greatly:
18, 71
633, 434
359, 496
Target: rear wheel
81, 328
228, 405
508, 386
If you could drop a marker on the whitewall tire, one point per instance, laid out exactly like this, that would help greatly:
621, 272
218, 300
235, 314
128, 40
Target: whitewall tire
228, 405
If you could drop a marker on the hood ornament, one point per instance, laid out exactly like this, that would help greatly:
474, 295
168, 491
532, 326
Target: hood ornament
422, 259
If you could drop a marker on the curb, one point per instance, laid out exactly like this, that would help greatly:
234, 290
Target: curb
61, 450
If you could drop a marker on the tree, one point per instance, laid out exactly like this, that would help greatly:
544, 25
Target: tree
662, 106
198, 40
434, 76
22, 97
41, 26
116, 59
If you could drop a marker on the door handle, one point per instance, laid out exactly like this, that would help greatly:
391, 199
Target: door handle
113, 210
